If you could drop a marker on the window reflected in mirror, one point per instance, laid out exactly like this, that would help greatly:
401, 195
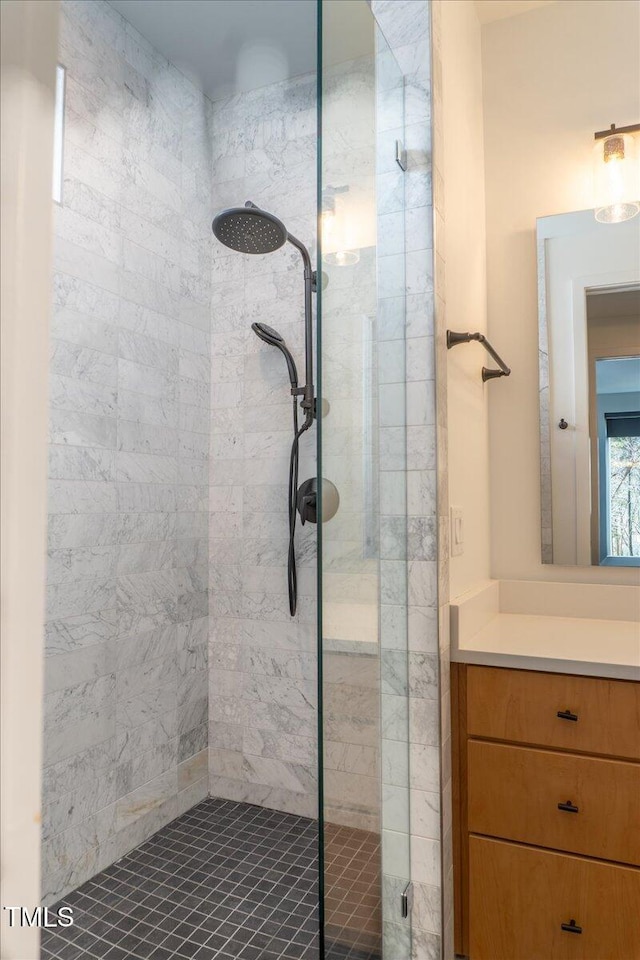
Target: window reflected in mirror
615, 438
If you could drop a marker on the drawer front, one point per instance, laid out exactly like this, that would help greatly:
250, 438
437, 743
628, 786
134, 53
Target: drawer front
581, 714
580, 804
520, 898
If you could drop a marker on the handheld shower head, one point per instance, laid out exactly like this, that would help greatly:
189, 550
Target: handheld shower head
267, 333
271, 336
249, 229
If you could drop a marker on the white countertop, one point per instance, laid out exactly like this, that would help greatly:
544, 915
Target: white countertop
483, 634
598, 648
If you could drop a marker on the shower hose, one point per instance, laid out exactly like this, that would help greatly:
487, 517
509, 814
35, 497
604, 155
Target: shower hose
292, 576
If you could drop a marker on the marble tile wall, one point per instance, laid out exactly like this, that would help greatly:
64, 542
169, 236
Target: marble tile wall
351, 743
350, 451
393, 415
406, 26
263, 701
125, 746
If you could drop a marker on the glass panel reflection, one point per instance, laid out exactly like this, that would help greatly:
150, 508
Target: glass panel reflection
363, 550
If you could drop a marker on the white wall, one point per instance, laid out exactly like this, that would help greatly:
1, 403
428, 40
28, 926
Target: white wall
29, 36
465, 255
551, 78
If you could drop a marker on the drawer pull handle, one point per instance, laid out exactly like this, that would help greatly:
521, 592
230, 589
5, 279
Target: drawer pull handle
567, 715
571, 927
568, 807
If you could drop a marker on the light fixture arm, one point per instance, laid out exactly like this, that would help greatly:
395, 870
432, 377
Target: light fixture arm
613, 130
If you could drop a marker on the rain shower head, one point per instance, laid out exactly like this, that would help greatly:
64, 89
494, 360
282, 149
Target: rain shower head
271, 336
249, 229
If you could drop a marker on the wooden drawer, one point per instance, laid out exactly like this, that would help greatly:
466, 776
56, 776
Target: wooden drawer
514, 792
523, 707
519, 898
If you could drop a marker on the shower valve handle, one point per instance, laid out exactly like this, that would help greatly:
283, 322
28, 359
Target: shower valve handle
307, 501
308, 509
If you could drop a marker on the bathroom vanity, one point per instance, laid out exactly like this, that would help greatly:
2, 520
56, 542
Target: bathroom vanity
546, 789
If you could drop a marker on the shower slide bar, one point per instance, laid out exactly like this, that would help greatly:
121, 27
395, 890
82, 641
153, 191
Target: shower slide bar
453, 339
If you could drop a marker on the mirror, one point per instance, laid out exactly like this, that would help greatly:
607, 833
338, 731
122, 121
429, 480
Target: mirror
589, 350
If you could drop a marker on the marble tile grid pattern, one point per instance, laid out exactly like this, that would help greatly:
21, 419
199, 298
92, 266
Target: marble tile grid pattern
406, 26
226, 880
125, 747
263, 702
393, 416
351, 743
350, 571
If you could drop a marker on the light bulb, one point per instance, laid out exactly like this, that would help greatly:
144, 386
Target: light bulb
328, 220
336, 238
617, 178
342, 258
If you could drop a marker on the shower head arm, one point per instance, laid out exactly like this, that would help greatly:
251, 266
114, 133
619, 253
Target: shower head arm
304, 253
309, 401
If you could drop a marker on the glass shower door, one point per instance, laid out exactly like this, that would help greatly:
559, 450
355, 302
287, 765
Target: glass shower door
364, 759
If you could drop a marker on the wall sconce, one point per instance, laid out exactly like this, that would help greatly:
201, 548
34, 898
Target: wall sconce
335, 234
616, 174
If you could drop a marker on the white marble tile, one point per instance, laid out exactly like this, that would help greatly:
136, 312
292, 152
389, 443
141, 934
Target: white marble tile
395, 852
145, 798
82, 363
81, 463
147, 350
395, 710
128, 297
82, 396
82, 429
425, 860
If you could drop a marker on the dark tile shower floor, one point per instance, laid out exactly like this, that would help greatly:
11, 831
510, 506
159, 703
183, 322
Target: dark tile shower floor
225, 881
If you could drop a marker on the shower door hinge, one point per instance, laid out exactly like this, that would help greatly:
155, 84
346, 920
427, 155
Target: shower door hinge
401, 156
407, 900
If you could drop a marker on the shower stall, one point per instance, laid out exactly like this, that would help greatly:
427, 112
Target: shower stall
232, 589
